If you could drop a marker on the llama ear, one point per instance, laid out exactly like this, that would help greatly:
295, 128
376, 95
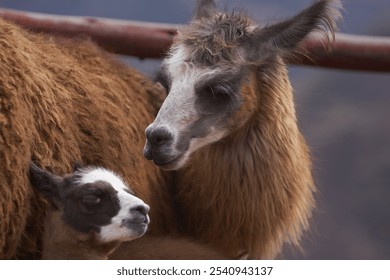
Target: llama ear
283, 37
47, 184
204, 8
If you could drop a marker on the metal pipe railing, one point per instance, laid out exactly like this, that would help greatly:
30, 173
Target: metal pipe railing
152, 40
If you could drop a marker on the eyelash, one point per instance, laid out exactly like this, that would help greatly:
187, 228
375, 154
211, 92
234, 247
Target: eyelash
218, 92
224, 90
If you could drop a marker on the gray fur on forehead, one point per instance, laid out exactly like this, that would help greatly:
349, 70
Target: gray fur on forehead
216, 39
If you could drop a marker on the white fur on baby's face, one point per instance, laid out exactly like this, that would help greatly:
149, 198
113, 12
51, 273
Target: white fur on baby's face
129, 223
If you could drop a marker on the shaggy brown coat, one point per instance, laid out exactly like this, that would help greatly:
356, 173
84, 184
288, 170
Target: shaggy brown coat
250, 190
63, 101
165, 248
62, 242
257, 181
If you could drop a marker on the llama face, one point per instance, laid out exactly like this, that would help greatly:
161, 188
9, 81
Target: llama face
198, 110
94, 200
209, 75
108, 204
204, 89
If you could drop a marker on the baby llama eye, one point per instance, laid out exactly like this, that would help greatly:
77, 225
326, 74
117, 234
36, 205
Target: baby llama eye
90, 199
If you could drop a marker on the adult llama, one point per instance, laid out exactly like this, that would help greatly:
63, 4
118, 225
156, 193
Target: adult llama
229, 131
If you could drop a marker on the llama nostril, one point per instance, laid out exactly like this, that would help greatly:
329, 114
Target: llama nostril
142, 209
140, 214
158, 136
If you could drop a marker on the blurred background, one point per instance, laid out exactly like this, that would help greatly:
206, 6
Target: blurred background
345, 116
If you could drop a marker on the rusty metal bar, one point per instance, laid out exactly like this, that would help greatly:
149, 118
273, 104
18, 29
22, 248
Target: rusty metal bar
152, 40
141, 39
352, 52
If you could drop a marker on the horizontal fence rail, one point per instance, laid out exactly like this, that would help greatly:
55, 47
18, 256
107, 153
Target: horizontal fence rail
152, 40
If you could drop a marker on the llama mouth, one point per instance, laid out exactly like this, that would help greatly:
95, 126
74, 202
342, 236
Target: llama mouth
131, 224
136, 230
170, 164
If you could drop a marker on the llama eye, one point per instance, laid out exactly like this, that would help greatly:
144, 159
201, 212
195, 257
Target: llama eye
90, 199
162, 78
219, 94
215, 93
212, 100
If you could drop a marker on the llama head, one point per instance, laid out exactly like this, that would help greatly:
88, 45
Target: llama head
209, 75
94, 201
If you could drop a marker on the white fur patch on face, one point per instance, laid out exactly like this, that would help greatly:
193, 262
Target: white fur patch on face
179, 112
178, 109
198, 143
91, 175
116, 230
183, 72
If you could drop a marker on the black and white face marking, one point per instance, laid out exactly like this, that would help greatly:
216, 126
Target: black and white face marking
94, 200
129, 221
196, 112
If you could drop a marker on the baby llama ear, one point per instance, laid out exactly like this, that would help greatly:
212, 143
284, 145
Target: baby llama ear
283, 37
47, 184
204, 9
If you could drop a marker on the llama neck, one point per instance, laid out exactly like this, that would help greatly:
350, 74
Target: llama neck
60, 242
253, 189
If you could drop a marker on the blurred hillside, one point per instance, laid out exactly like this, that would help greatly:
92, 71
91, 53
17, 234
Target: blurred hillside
344, 115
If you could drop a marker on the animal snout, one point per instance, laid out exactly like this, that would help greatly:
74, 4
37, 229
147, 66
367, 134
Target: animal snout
140, 213
141, 209
156, 137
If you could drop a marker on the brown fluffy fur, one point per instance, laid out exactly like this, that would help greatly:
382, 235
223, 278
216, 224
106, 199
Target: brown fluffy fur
61, 242
63, 101
257, 181
165, 248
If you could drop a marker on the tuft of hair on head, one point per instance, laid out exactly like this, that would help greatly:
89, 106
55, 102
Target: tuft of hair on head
214, 37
